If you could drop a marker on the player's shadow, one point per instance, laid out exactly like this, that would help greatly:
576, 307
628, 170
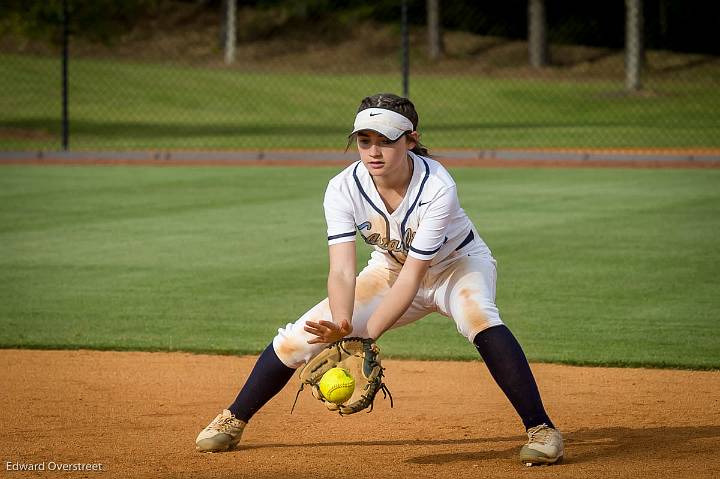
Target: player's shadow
583, 445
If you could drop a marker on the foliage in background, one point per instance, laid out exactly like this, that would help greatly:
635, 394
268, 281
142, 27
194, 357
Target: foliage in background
678, 25
95, 20
161, 80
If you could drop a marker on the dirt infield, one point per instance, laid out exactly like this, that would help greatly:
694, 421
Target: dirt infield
137, 414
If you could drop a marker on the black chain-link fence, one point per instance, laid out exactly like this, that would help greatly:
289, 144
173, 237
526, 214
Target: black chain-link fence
289, 74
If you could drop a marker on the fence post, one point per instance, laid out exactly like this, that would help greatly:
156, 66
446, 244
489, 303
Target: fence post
64, 61
537, 33
230, 19
405, 50
633, 44
434, 26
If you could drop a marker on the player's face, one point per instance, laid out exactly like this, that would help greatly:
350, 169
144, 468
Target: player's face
384, 157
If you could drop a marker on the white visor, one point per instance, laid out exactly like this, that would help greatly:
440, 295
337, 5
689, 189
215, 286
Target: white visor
386, 122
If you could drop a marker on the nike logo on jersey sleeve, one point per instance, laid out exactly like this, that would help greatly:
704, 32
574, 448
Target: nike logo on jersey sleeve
422, 203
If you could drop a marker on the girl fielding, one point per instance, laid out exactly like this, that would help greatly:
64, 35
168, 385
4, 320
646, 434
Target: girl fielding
427, 257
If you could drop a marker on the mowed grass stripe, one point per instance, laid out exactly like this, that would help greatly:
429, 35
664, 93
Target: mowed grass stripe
605, 267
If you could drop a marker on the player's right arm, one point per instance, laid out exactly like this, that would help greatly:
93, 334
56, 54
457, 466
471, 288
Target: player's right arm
341, 295
341, 282
341, 276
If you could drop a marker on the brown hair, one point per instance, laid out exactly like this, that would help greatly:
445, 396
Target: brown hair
398, 104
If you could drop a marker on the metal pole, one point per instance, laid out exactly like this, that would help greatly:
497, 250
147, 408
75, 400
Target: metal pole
65, 35
405, 50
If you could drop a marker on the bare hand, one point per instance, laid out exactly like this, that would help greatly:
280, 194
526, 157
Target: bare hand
327, 331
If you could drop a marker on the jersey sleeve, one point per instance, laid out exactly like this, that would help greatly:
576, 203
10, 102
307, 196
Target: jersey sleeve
339, 216
430, 236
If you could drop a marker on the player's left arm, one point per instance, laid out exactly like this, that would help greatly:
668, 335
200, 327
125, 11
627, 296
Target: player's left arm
401, 295
399, 298
428, 240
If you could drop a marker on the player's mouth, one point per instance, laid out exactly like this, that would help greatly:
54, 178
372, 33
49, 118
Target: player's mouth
375, 165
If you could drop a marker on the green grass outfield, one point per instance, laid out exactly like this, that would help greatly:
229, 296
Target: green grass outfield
606, 267
119, 105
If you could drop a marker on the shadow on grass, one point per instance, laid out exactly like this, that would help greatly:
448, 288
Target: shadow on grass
589, 59
697, 62
101, 133
145, 129
151, 129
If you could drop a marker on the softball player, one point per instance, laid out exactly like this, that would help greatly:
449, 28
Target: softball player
427, 257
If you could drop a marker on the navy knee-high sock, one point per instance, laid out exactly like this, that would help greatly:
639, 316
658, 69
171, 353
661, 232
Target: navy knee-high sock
267, 378
507, 363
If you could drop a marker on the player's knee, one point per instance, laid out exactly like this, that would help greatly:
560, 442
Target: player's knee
477, 319
292, 347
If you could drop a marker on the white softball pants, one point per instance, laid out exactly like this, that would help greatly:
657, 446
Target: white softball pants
463, 290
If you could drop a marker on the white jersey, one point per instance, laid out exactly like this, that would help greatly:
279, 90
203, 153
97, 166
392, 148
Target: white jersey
429, 223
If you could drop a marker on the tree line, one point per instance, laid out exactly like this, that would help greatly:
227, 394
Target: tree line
678, 25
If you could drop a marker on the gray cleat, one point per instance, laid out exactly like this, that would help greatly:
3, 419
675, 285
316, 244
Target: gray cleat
545, 446
222, 434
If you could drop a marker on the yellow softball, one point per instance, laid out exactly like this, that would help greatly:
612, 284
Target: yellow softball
337, 385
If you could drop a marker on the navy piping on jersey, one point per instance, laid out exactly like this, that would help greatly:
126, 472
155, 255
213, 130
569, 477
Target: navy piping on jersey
341, 235
367, 198
430, 252
412, 207
419, 251
466, 241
